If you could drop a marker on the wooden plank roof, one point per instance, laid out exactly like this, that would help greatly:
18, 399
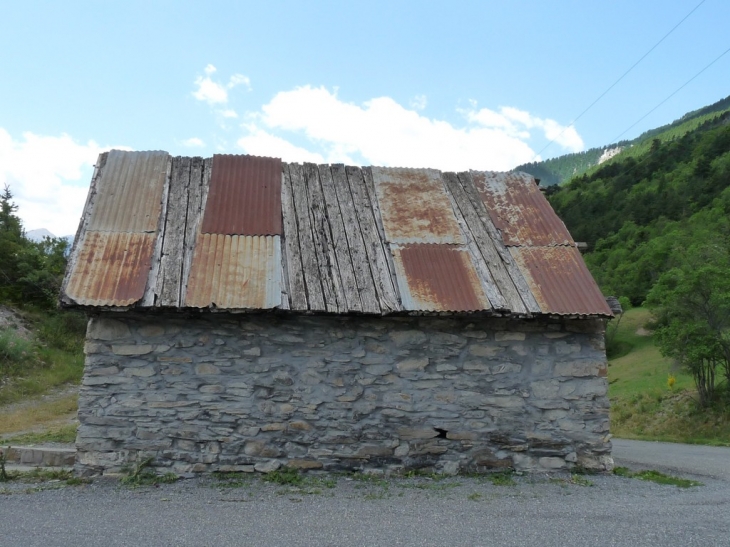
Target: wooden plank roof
245, 233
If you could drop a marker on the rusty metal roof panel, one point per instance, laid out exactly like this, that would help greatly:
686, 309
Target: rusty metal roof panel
111, 269
519, 210
129, 192
235, 272
244, 196
560, 281
434, 277
414, 206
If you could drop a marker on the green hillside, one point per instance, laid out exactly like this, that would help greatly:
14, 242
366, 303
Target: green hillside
563, 168
637, 213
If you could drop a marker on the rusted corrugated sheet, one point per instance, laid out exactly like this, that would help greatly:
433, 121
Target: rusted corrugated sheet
519, 210
244, 196
235, 272
111, 269
438, 278
129, 192
560, 280
414, 206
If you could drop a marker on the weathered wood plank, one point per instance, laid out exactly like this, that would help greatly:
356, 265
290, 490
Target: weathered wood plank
198, 185
292, 253
310, 267
495, 254
377, 255
367, 173
334, 297
83, 226
339, 238
151, 296
356, 245
489, 286
171, 261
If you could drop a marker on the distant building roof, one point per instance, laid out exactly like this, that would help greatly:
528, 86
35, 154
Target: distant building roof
250, 233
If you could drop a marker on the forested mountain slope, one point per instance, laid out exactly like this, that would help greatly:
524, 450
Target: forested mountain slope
638, 214
563, 168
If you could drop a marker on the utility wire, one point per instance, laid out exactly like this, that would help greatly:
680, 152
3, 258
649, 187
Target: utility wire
617, 81
615, 139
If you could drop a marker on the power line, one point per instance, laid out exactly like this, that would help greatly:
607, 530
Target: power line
615, 139
617, 81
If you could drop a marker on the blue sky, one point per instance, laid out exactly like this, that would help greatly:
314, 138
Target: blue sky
450, 85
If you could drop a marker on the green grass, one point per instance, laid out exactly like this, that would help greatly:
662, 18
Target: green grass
643, 406
655, 476
142, 474
285, 476
64, 434
53, 358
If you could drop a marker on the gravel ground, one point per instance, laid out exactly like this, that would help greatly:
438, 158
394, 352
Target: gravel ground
545, 510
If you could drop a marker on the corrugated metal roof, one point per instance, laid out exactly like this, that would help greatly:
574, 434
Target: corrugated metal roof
244, 196
519, 210
235, 272
129, 192
410, 215
560, 280
111, 269
415, 207
436, 277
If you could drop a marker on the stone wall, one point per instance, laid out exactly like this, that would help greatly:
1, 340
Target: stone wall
254, 392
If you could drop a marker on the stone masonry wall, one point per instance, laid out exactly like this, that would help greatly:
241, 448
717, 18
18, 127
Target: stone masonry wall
254, 392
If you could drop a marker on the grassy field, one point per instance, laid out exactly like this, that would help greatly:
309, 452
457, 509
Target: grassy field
643, 405
40, 365
51, 356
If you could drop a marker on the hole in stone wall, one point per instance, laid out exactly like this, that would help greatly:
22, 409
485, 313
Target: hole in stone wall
441, 433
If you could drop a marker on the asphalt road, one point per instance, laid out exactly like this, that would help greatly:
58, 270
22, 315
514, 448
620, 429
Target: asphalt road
546, 510
703, 461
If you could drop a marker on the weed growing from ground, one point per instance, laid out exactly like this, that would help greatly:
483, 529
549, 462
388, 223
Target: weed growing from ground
501, 479
284, 476
142, 475
655, 476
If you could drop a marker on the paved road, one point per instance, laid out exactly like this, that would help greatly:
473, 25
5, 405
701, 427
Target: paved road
704, 461
550, 511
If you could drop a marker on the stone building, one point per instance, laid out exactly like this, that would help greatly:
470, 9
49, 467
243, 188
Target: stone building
247, 314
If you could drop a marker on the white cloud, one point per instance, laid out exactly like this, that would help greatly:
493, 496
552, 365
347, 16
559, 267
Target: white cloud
49, 178
215, 93
419, 102
193, 142
382, 132
517, 123
260, 143
228, 113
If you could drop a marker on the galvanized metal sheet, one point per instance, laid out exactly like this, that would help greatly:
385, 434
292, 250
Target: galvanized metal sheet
414, 206
129, 192
235, 272
244, 196
111, 269
519, 210
438, 278
560, 281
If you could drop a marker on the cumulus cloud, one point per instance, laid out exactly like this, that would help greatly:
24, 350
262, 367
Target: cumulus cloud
193, 142
216, 93
383, 132
419, 102
261, 143
229, 113
517, 123
49, 178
